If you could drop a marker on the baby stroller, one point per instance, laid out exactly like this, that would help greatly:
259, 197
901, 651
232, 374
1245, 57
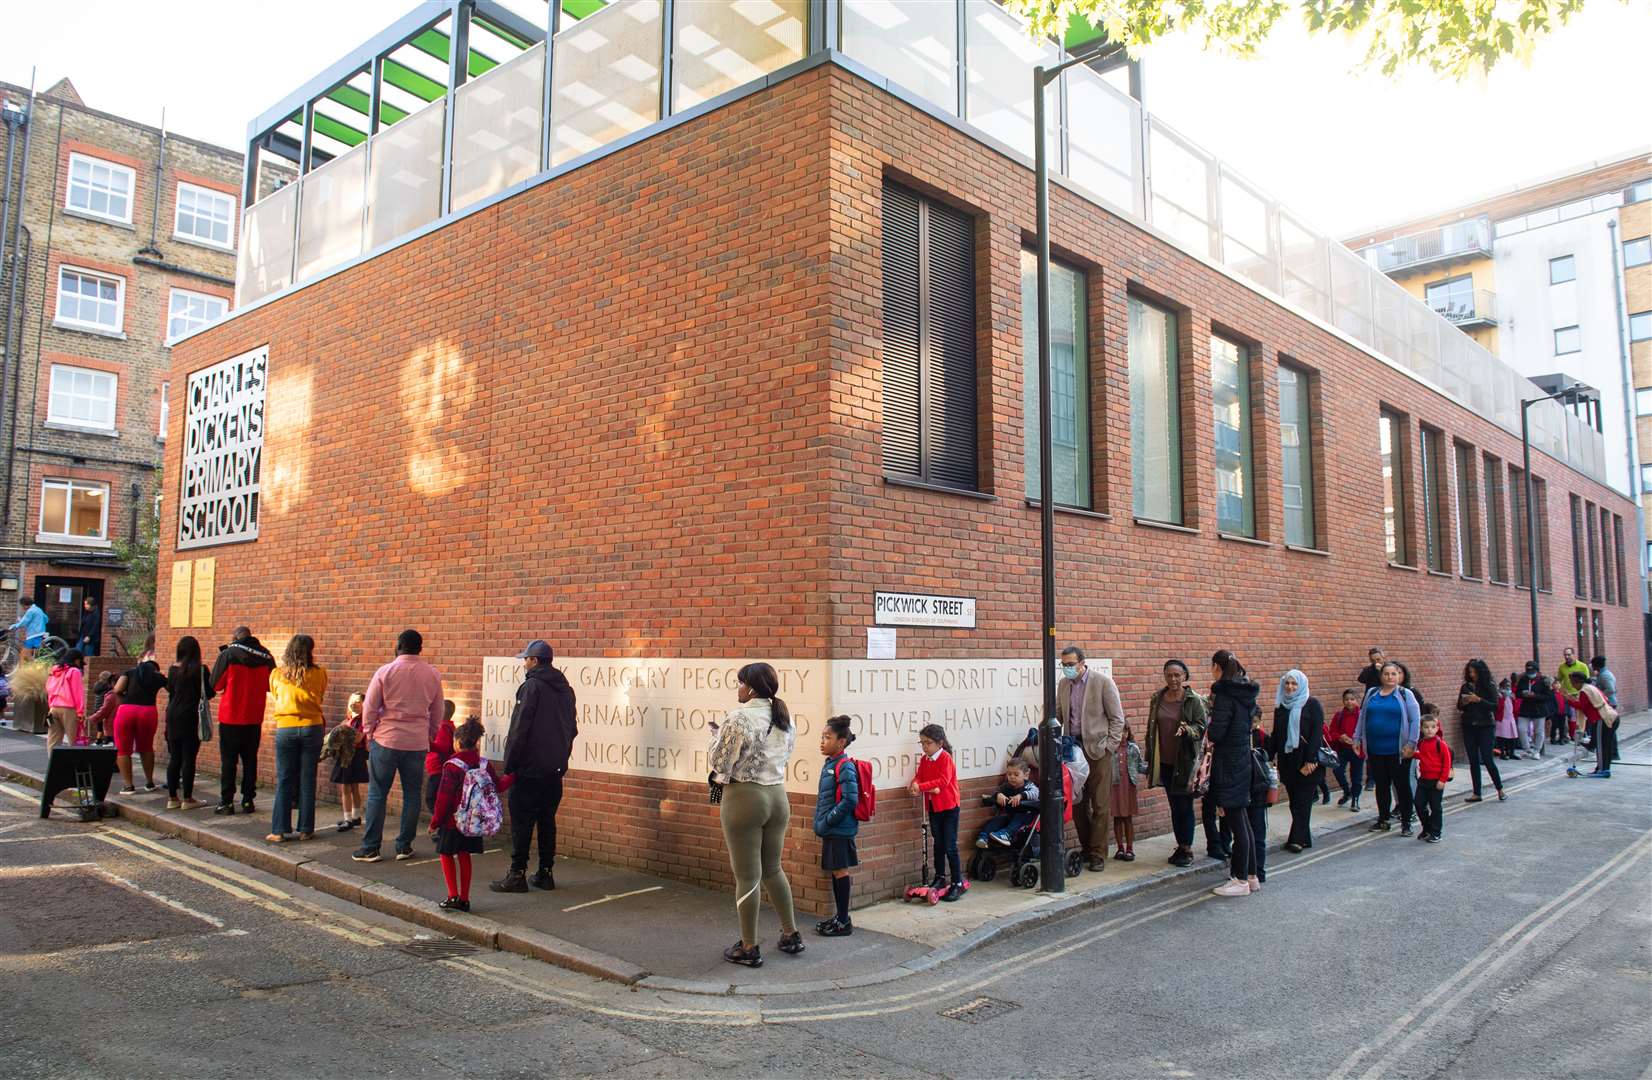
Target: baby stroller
1023, 851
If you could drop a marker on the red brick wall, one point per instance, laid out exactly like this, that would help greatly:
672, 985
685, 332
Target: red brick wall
635, 411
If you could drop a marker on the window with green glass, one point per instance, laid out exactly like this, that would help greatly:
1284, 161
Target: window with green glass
1069, 383
1155, 415
1230, 400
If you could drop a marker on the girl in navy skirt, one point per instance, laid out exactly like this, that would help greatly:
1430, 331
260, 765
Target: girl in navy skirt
454, 847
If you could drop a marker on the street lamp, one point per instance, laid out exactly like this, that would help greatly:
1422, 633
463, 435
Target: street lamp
1052, 872
1571, 395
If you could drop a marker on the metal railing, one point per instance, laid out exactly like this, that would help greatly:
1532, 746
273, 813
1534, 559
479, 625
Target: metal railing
1467, 308
624, 67
1458, 240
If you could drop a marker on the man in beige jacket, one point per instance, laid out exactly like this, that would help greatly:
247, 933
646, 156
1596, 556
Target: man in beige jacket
1087, 702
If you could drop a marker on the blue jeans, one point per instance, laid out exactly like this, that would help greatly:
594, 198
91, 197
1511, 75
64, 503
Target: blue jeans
297, 752
383, 765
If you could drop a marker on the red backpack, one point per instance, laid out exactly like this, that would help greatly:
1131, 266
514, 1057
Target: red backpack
867, 804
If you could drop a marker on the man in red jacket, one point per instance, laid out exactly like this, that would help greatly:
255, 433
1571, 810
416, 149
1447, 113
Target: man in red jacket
241, 677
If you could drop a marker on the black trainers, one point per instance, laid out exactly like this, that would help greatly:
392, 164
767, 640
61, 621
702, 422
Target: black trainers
1432, 838
739, 954
835, 927
404, 854
1383, 825
367, 855
453, 903
225, 808
345, 825
791, 944
953, 892
1405, 828
513, 881
247, 807
542, 879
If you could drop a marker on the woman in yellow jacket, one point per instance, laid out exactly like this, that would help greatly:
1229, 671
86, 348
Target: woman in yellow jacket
296, 690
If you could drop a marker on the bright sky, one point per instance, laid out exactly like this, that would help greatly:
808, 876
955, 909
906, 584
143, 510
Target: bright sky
1346, 150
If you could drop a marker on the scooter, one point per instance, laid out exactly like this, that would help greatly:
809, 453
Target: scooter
924, 892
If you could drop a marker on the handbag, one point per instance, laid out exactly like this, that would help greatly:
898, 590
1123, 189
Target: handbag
1328, 758
1200, 784
203, 711
714, 793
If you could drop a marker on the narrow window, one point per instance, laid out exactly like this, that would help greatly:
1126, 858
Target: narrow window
1540, 502
1517, 507
928, 341
1623, 571
1594, 551
1598, 636
1069, 382
166, 410
1582, 631
1392, 431
1155, 415
1468, 512
1608, 578
1434, 516
1296, 444
1497, 545
1230, 390
1578, 557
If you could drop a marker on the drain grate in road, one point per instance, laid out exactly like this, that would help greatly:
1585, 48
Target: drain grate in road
979, 1011
444, 948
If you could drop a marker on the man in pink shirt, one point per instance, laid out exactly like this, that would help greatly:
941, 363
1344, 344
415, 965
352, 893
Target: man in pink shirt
399, 718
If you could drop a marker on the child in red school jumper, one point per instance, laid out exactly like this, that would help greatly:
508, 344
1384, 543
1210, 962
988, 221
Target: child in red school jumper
1433, 774
1339, 736
441, 748
937, 782
454, 847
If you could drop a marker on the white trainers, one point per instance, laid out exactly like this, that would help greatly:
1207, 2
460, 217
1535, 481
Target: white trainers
1234, 887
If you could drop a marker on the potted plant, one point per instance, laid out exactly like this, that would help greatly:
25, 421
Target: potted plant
28, 687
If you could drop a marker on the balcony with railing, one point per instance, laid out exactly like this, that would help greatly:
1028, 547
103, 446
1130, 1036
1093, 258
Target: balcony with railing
1467, 309
443, 112
1469, 239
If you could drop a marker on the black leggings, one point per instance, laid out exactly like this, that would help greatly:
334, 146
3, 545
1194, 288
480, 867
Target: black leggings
943, 825
1244, 852
1477, 741
1392, 775
180, 766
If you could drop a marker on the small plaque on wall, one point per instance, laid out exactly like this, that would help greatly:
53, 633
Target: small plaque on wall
182, 573
206, 573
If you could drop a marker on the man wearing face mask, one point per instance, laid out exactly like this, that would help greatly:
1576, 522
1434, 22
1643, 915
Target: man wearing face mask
1176, 718
1087, 703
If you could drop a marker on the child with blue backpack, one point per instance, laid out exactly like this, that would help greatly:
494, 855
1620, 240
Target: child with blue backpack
467, 811
835, 820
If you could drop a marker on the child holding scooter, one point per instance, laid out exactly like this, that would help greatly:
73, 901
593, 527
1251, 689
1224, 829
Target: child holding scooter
937, 782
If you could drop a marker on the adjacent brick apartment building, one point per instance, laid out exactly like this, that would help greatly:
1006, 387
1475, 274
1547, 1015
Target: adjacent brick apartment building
118, 238
698, 393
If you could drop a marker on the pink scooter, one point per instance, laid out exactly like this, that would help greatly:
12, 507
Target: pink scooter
923, 891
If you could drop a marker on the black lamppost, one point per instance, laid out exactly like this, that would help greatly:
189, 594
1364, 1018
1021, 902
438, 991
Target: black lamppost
1052, 872
1572, 395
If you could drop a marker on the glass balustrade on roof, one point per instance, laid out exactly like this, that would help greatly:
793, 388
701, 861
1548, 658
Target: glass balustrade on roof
382, 161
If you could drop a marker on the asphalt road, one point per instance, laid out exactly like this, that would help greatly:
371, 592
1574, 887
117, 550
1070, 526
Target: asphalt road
1521, 946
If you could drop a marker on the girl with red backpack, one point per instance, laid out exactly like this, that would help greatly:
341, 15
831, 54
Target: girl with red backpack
453, 845
835, 821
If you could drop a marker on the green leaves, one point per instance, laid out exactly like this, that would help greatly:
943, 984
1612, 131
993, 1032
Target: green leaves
1454, 38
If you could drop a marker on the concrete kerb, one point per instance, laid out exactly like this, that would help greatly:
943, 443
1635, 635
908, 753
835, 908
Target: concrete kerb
565, 954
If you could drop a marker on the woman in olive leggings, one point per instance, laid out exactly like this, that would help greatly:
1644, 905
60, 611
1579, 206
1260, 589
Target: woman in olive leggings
749, 755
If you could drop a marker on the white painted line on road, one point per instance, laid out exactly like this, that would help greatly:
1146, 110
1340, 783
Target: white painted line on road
615, 896
167, 900
18, 793
1410, 1026
22, 963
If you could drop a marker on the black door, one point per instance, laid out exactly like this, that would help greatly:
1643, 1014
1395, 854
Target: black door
61, 598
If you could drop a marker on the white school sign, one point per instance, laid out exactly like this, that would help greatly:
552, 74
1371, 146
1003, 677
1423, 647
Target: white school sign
650, 717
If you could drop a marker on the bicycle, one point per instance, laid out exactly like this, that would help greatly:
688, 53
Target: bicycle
51, 649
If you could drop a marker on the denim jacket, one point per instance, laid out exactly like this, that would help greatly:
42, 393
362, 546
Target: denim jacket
835, 800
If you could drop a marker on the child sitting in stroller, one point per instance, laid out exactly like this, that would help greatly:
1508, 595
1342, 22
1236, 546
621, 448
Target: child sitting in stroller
1017, 803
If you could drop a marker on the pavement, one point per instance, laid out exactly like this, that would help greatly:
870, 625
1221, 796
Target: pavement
661, 935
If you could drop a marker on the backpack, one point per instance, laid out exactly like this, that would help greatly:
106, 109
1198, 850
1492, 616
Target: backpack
867, 804
478, 813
